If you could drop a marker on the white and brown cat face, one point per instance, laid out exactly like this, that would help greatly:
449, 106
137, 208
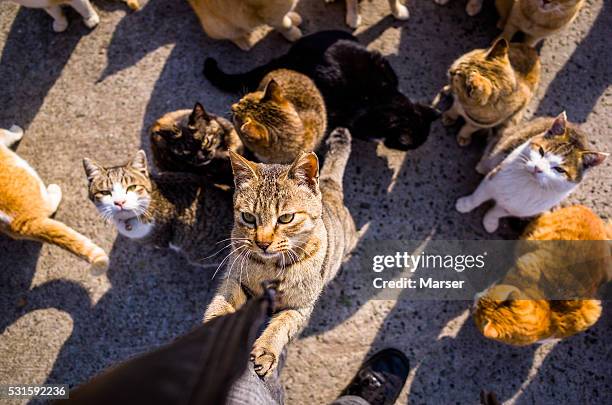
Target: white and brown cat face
120, 192
558, 158
276, 206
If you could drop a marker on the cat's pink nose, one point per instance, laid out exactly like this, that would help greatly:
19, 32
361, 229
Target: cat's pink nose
536, 170
263, 245
119, 203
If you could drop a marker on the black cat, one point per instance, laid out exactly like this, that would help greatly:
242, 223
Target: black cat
359, 87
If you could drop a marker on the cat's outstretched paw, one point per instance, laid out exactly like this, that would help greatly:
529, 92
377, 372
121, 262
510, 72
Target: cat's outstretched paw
92, 21
99, 264
463, 205
60, 24
473, 7
264, 358
401, 13
339, 139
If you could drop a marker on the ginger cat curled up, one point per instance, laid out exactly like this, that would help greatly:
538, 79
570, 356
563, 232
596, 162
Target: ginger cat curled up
518, 310
491, 87
26, 205
530, 169
537, 19
236, 20
291, 226
283, 118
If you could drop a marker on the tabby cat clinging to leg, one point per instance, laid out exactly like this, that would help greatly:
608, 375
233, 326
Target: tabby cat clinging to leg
290, 225
26, 205
169, 210
531, 168
195, 141
537, 19
491, 87
522, 308
283, 118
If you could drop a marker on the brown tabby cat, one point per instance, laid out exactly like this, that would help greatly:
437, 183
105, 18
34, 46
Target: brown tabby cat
517, 311
195, 141
236, 20
26, 205
169, 210
491, 87
284, 118
290, 225
537, 19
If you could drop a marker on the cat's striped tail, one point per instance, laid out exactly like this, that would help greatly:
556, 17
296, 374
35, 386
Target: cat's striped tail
57, 233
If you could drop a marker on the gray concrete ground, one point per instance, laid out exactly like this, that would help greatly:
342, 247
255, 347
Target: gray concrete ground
94, 94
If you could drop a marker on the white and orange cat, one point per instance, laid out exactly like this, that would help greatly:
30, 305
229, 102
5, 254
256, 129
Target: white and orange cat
26, 205
83, 7
561, 263
237, 20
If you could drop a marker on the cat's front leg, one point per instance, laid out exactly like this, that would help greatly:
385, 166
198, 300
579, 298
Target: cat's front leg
353, 18
492, 217
479, 196
281, 329
60, 23
464, 137
230, 297
399, 10
85, 9
288, 29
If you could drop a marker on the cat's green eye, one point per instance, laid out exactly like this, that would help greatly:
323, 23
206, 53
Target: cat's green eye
286, 218
104, 193
132, 188
541, 150
559, 169
248, 218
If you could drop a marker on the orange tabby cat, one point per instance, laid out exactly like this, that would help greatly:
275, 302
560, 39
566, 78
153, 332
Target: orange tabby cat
516, 311
26, 204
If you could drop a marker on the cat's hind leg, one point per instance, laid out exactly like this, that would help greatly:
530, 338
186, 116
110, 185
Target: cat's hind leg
8, 137
492, 217
399, 10
479, 196
86, 10
60, 23
336, 158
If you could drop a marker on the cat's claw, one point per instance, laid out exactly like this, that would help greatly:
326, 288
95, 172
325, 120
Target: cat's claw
401, 13
92, 21
264, 360
463, 205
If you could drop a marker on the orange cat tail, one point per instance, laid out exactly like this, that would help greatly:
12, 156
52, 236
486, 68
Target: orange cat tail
55, 232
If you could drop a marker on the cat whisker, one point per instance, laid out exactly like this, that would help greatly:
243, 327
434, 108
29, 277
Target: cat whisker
232, 239
224, 259
217, 252
231, 267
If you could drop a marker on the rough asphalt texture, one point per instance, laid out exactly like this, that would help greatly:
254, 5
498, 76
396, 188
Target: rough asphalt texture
94, 94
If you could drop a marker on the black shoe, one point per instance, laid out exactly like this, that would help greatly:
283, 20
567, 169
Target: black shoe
381, 378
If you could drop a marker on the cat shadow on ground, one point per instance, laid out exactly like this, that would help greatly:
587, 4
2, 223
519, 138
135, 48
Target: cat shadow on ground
32, 60
586, 76
155, 296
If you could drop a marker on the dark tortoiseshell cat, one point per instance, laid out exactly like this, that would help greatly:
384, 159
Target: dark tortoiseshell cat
195, 142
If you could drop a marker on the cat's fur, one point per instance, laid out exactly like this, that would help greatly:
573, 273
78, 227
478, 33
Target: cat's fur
518, 310
537, 19
491, 87
531, 168
26, 205
236, 20
283, 118
472, 8
195, 141
169, 210
54, 9
359, 87
353, 18
302, 255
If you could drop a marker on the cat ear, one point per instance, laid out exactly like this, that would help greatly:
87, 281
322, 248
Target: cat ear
273, 92
305, 169
592, 159
92, 169
198, 114
559, 126
244, 170
139, 162
498, 50
490, 331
